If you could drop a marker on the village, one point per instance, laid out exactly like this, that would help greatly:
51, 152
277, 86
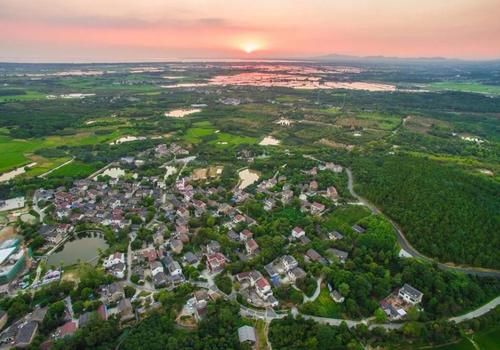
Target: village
168, 246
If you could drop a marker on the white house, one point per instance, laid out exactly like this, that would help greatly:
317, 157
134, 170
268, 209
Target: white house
114, 259
410, 294
263, 288
156, 267
298, 232
289, 262
174, 268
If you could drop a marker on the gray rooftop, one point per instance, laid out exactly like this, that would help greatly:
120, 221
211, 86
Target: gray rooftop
415, 293
26, 332
247, 333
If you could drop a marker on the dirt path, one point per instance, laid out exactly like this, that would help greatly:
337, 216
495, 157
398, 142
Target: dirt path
57, 167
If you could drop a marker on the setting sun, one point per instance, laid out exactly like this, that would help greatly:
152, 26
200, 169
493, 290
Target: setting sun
250, 47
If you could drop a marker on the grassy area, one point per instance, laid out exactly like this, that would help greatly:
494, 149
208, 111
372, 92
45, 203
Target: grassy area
97, 85
195, 135
205, 131
343, 218
464, 344
323, 306
379, 120
74, 169
13, 152
17, 153
224, 139
465, 87
24, 95
488, 339
368, 120
260, 327
44, 164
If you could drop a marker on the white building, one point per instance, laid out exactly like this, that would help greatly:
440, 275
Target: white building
410, 294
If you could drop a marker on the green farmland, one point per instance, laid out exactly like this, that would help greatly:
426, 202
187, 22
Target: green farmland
204, 131
466, 87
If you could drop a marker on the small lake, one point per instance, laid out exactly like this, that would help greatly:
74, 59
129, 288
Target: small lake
247, 178
80, 250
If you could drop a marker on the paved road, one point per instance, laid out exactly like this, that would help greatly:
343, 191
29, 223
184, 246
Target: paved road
129, 260
40, 212
38, 273
478, 312
404, 244
401, 238
269, 314
316, 292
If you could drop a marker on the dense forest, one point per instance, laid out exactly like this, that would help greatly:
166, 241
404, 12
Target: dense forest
444, 211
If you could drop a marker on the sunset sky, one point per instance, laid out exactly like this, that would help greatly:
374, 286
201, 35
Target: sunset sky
127, 30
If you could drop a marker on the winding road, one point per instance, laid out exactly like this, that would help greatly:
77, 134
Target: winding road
316, 292
477, 312
405, 245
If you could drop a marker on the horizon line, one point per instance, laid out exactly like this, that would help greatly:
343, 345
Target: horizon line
327, 57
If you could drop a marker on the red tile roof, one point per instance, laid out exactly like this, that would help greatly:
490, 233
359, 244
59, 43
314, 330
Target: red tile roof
262, 283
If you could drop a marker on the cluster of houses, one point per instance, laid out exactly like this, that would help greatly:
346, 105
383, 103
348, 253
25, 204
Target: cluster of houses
284, 270
49, 277
306, 191
158, 266
21, 333
113, 202
172, 149
160, 263
256, 289
196, 306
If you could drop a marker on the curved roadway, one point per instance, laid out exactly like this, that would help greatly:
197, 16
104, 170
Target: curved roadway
403, 242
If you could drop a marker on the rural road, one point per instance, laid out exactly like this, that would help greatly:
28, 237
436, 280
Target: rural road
269, 314
39, 211
477, 312
316, 292
404, 244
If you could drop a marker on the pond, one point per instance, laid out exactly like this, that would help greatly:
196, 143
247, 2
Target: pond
80, 250
247, 178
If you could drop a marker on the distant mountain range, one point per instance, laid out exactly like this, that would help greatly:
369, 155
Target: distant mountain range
351, 58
